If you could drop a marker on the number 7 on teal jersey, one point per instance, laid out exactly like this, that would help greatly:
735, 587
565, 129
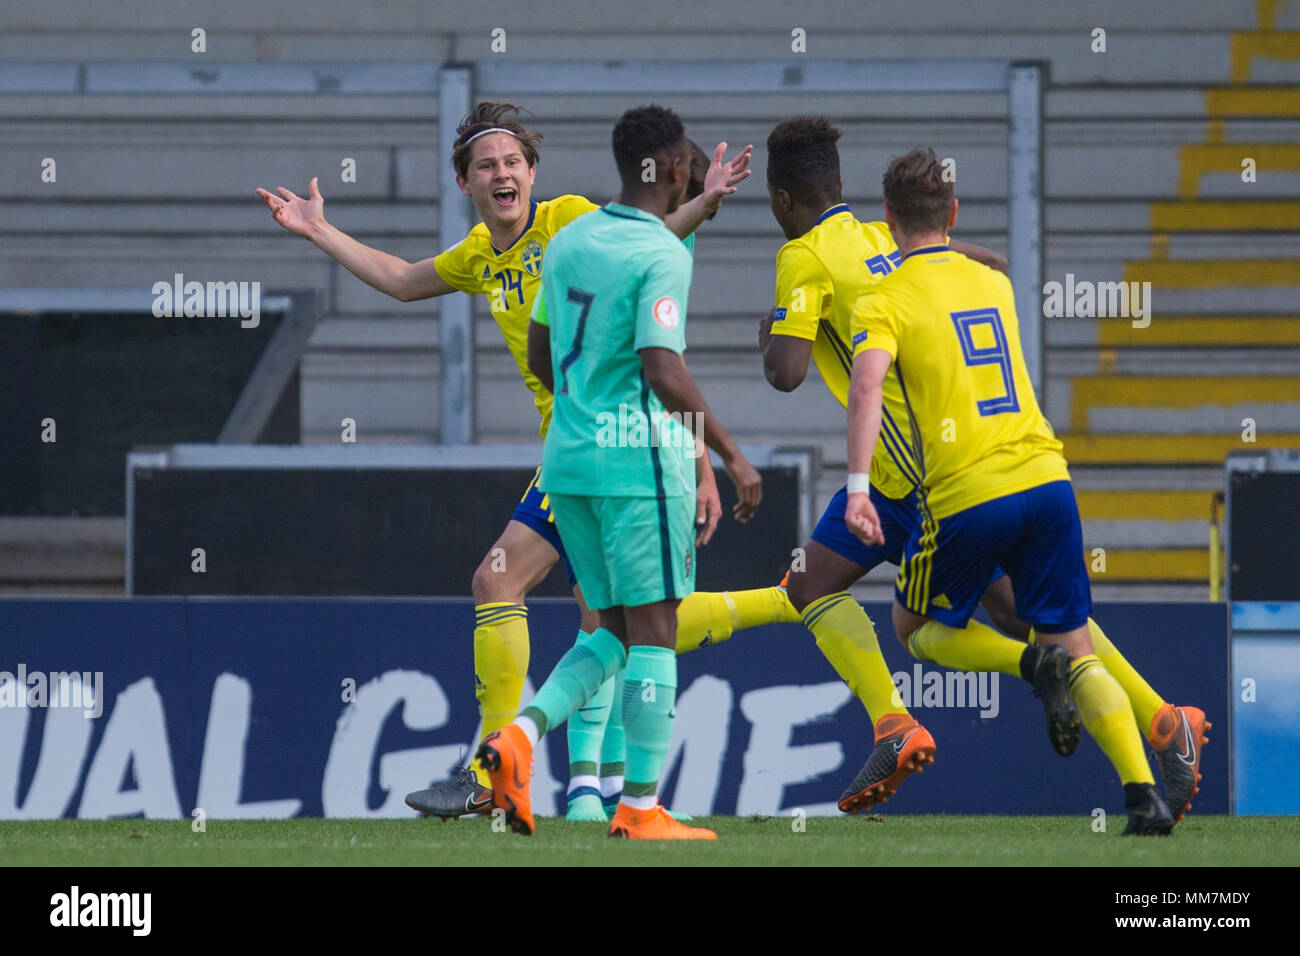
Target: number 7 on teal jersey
996, 354
584, 299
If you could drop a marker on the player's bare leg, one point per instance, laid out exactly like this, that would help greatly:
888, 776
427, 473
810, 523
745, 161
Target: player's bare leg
824, 572
999, 600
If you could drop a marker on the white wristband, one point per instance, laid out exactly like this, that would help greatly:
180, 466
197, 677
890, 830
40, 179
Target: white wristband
859, 483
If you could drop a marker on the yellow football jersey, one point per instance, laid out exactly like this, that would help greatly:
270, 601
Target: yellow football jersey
950, 325
511, 278
819, 277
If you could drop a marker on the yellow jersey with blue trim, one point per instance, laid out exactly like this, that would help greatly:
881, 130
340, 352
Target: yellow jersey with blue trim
950, 325
511, 278
819, 277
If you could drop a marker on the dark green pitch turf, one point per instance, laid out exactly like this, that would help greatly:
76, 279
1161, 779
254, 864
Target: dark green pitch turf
742, 841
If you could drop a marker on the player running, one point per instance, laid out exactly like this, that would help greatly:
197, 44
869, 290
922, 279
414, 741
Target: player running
495, 159
831, 257
805, 157
614, 298
998, 492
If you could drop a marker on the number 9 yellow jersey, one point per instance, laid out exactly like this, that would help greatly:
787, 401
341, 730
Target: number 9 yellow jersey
950, 326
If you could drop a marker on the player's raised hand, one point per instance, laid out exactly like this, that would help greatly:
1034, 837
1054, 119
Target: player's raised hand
300, 216
861, 517
723, 177
708, 507
749, 486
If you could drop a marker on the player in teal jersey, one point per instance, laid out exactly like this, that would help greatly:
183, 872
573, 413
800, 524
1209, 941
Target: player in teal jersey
495, 159
595, 734
621, 471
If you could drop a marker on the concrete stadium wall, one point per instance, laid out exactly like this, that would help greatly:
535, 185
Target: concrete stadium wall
153, 185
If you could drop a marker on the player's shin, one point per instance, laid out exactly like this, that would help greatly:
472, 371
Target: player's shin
705, 617
585, 731
1144, 700
500, 665
613, 750
976, 647
1106, 713
575, 679
649, 693
846, 636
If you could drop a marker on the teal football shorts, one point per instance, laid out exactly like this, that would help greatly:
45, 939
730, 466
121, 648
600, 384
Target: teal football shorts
627, 552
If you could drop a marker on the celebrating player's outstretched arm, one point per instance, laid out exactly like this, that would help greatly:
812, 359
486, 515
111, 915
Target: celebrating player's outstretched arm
495, 161
390, 274
720, 181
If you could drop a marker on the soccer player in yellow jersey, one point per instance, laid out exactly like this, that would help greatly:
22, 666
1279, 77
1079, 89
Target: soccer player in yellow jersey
495, 159
830, 258
995, 491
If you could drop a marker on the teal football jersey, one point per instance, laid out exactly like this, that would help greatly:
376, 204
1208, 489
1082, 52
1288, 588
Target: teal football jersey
616, 282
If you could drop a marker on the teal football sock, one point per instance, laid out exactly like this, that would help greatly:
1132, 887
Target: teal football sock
575, 679
586, 730
649, 693
613, 747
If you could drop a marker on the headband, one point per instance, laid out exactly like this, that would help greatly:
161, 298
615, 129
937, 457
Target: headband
494, 129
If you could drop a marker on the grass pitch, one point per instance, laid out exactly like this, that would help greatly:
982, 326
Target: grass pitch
742, 841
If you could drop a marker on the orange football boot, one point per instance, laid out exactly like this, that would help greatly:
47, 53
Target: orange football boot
1177, 735
654, 824
902, 746
508, 758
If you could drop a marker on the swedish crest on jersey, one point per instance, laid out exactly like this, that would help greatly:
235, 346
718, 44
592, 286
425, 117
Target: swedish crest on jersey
531, 258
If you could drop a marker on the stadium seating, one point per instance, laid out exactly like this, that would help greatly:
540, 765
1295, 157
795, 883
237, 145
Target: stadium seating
1142, 183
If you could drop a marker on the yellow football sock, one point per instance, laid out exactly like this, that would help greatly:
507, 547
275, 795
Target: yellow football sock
976, 647
1109, 718
500, 665
848, 639
1141, 697
706, 617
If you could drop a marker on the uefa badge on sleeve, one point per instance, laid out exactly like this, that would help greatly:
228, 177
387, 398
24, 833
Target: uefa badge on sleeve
666, 312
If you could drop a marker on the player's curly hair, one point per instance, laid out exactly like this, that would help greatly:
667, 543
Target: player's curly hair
916, 192
483, 117
643, 132
802, 159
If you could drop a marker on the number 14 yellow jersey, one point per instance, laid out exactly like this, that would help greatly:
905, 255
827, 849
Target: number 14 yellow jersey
511, 277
